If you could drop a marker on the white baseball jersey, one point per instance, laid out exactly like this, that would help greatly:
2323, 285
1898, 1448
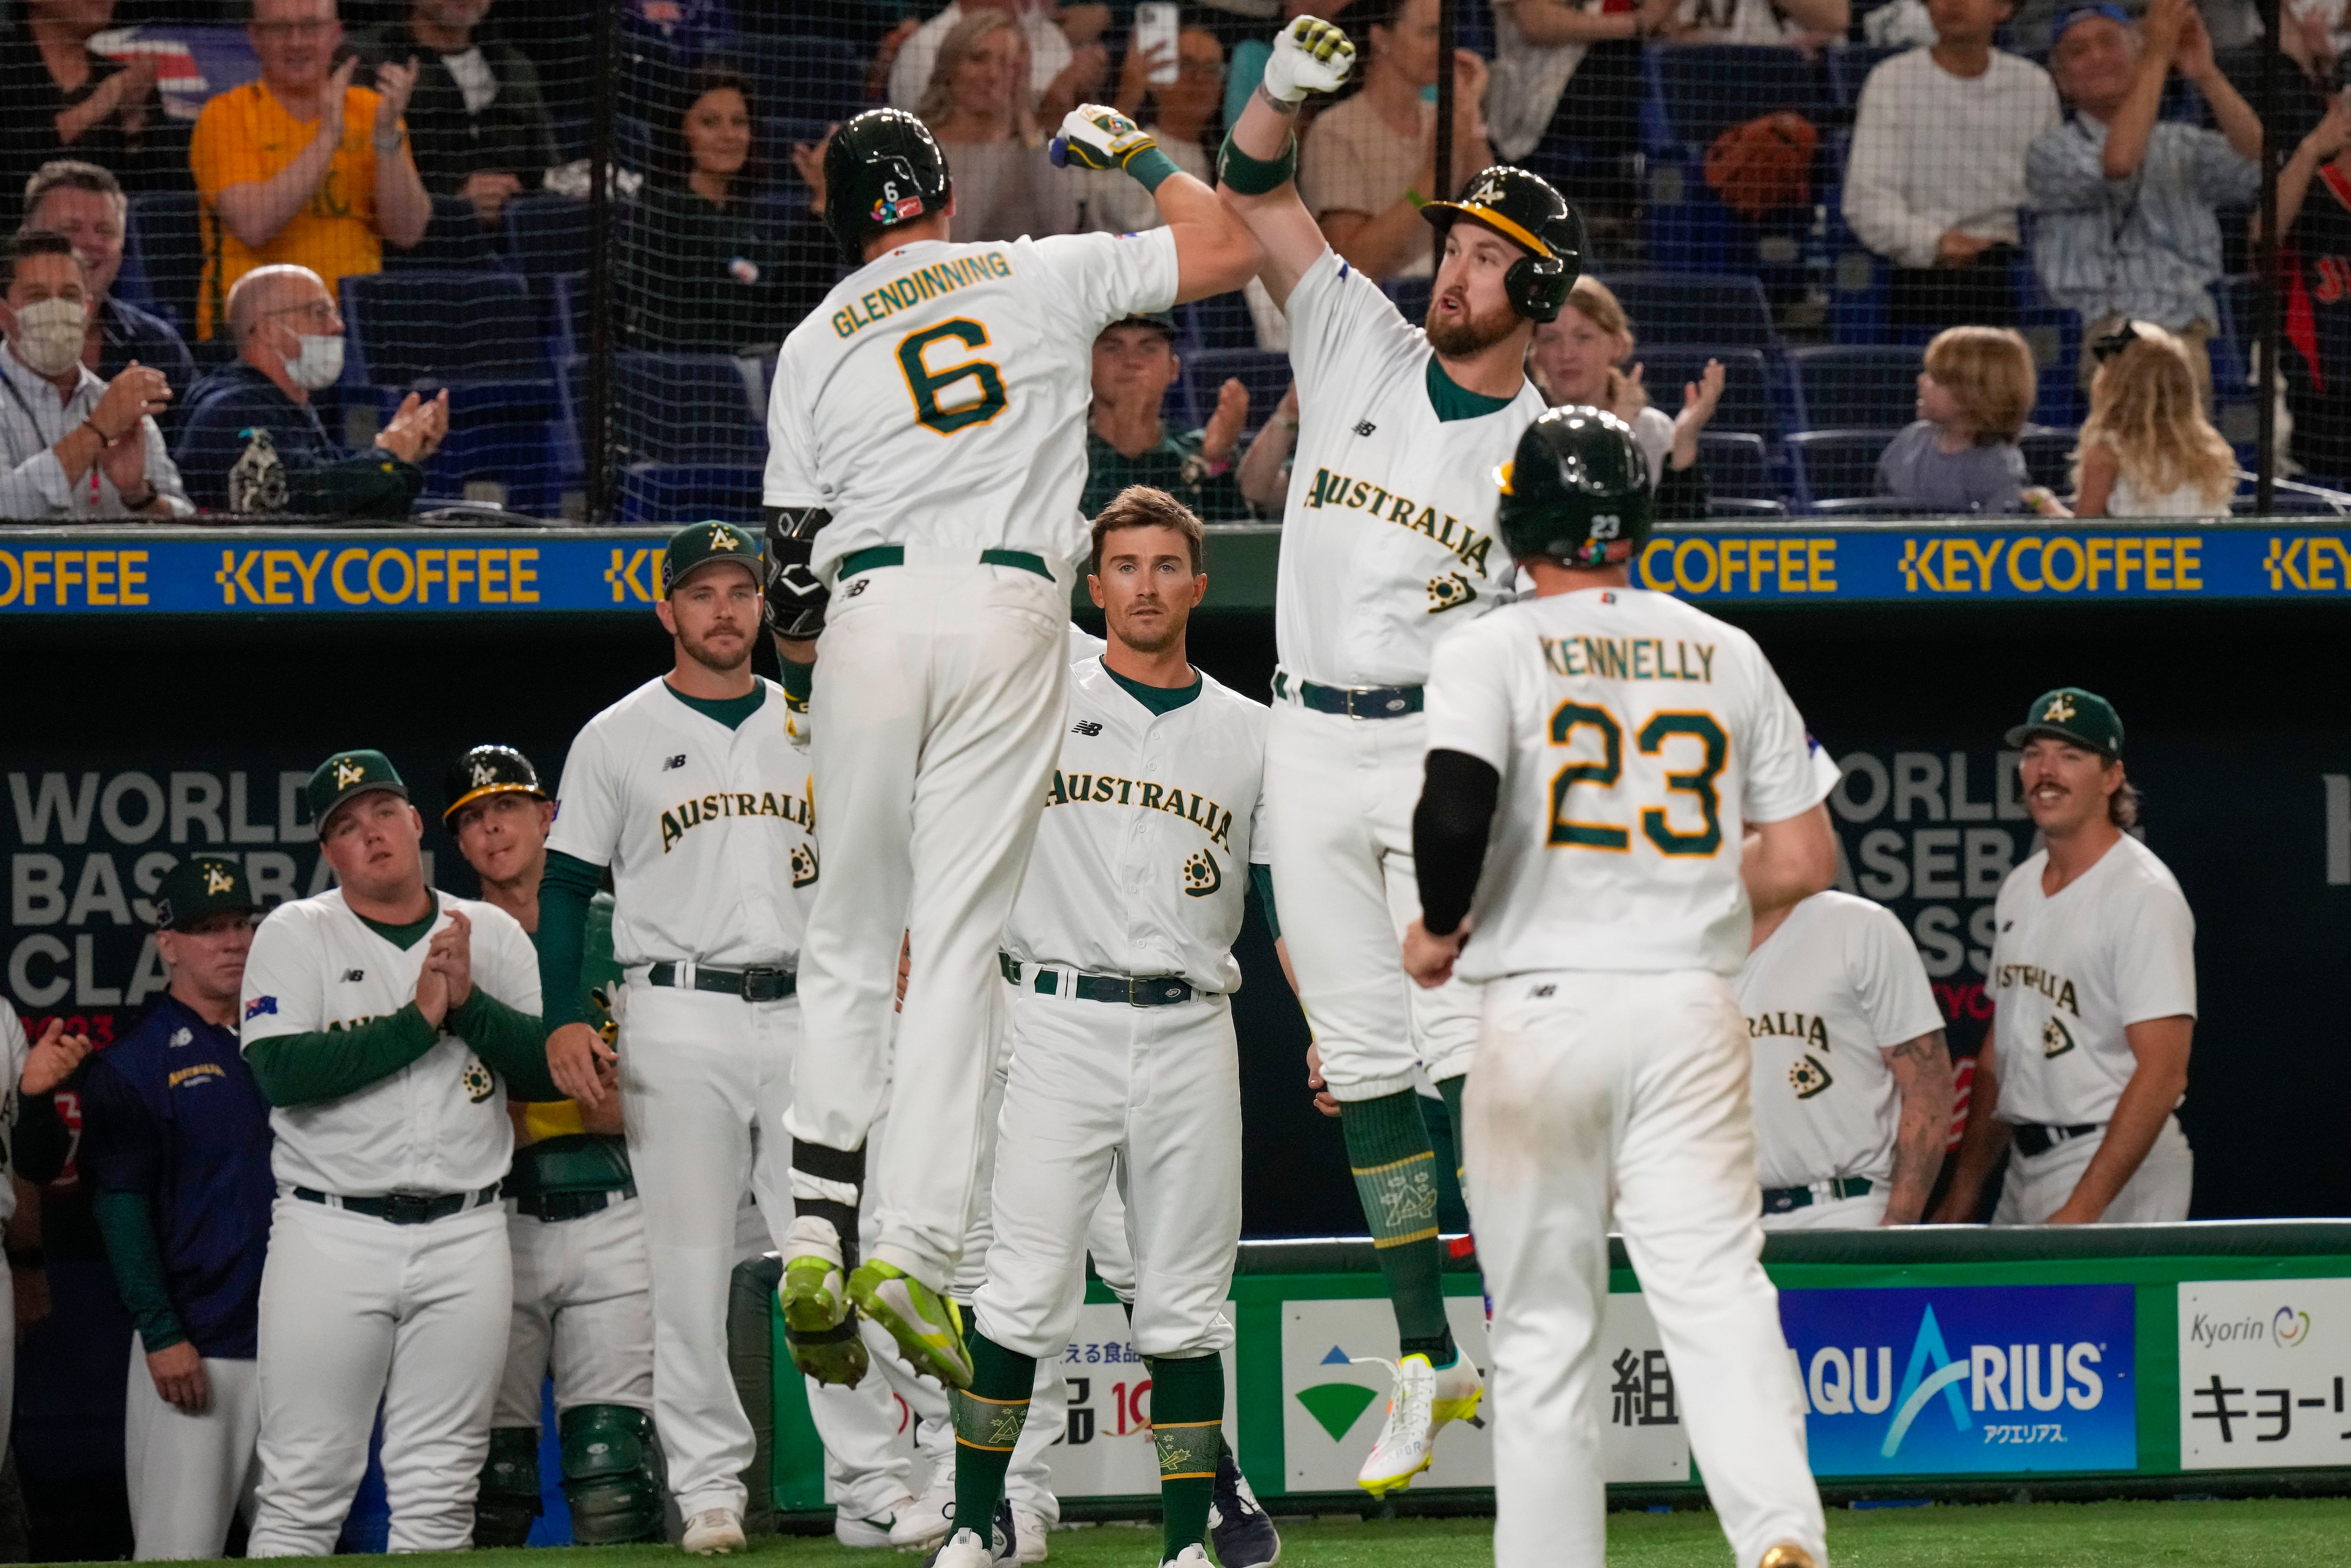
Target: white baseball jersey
2115, 946
1637, 736
1387, 538
438, 1124
14, 1049
706, 830
1141, 860
937, 397
1836, 984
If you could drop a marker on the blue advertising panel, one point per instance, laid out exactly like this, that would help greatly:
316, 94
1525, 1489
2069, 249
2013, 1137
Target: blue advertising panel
1981, 1378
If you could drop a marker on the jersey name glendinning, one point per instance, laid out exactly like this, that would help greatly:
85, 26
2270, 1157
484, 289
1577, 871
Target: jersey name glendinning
1104, 788
1338, 490
922, 282
716, 808
1628, 658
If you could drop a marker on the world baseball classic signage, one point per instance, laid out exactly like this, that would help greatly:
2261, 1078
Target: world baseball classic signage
2262, 1366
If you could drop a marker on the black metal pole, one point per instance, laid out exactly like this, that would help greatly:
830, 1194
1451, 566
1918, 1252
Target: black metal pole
1449, 31
596, 426
2265, 379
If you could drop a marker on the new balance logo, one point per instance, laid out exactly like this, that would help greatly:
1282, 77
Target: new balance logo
1364, 427
354, 977
1086, 727
1541, 991
677, 761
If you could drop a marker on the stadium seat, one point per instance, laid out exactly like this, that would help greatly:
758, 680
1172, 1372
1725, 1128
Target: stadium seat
1703, 89
1747, 407
1729, 507
1872, 506
1842, 387
1411, 296
687, 409
1736, 468
546, 235
1834, 464
455, 241
1267, 376
1695, 307
2049, 457
1219, 321
166, 243
1849, 69
670, 496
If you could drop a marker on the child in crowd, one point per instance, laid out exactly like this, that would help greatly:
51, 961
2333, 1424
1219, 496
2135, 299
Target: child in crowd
2147, 449
1579, 358
1961, 455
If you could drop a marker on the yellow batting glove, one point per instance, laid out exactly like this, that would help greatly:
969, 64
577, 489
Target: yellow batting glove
1309, 56
1096, 136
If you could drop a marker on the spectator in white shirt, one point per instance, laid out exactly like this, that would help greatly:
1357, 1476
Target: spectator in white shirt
1067, 63
1937, 171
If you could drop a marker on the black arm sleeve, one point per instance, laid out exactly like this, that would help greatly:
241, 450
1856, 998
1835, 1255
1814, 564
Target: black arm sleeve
1681, 491
43, 1141
1450, 829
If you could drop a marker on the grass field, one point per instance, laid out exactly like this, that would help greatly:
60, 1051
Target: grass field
2256, 1534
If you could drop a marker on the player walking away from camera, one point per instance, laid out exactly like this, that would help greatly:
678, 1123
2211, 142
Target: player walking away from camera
2093, 994
689, 791
1852, 1081
926, 450
1387, 546
175, 1142
1613, 744
1118, 1021
378, 1019
582, 1295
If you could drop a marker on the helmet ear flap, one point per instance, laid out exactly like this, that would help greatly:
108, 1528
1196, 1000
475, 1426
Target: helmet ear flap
1538, 286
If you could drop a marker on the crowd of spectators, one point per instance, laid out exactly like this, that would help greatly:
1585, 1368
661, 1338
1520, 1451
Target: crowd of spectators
2018, 159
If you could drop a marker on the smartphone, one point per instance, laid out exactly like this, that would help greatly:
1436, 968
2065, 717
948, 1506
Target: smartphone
1155, 26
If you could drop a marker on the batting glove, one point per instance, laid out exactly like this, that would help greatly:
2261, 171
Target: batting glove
1309, 56
1096, 136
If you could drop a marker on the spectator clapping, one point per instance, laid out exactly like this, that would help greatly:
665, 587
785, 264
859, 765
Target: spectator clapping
476, 121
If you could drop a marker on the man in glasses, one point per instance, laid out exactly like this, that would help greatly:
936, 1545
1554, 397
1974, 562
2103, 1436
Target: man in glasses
253, 443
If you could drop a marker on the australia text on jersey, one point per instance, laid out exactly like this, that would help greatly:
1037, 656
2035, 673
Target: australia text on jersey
1810, 1027
1106, 790
688, 814
924, 283
1464, 541
1628, 658
2034, 978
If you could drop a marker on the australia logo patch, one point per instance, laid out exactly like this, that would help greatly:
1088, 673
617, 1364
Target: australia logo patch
1449, 593
1202, 875
1808, 1077
480, 1083
2055, 1040
803, 864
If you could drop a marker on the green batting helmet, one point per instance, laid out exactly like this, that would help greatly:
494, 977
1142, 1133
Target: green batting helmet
1523, 209
1577, 491
881, 169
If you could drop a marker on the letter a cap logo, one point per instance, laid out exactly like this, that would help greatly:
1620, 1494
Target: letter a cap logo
2069, 713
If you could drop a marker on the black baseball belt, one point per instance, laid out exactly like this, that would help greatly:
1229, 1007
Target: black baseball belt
1156, 991
1350, 702
871, 556
404, 1208
558, 1205
1786, 1199
758, 983
2032, 1140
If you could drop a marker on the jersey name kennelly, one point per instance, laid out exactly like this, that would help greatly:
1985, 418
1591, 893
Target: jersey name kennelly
2034, 978
688, 814
1628, 658
1107, 789
1466, 542
905, 292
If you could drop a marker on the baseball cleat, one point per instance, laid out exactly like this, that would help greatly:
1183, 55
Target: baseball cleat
1238, 1523
1425, 1398
965, 1549
820, 1329
1786, 1555
713, 1533
927, 1326
854, 1530
1192, 1556
923, 1523
1029, 1532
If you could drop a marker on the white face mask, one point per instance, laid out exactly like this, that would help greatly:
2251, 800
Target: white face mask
321, 362
50, 335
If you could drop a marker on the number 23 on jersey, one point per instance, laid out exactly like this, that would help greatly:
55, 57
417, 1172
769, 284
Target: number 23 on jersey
929, 383
1582, 730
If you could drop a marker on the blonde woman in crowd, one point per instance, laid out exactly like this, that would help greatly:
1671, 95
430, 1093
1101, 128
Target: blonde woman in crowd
977, 105
2147, 449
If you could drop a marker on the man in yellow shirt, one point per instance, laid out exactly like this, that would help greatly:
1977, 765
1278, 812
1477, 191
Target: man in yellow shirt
301, 167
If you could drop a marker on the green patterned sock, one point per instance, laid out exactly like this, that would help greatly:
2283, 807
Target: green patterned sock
1187, 1417
1395, 1168
989, 1417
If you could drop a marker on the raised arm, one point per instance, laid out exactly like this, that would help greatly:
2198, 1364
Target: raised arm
1214, 251
2327, 140
1259, 165
2134, 123
254, 210
403, 210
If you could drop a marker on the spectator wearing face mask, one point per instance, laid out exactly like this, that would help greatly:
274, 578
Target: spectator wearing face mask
73, 446
289, 344
86, 203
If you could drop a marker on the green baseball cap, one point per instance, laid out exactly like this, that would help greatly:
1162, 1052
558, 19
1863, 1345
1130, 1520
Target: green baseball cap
347, 774
1157, 321
698, 545
2072, 714
199, 888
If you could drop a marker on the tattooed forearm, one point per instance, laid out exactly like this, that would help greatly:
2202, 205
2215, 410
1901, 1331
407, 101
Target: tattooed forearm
1922, 1075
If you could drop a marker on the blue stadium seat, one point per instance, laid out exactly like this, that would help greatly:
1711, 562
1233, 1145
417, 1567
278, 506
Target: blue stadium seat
1411, 296
1842, 388
1736, 468
455, 241
165, 242
2049, 457
799, 77
1872, 506
1219, 321
1731, 508
670, 496
1267, 376
1695, 307
546, 235
1747, 406
1848, 71
1703, 89
1834, 464
687, 409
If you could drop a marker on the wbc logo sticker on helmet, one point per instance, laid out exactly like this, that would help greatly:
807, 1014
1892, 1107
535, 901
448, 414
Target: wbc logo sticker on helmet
887, 211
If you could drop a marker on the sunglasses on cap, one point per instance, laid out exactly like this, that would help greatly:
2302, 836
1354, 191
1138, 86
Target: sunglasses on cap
2108, 345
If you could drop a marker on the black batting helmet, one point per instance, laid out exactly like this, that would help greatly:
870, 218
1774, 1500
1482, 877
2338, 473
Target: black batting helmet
1577, 491
1523, 209
881, 170
485, 772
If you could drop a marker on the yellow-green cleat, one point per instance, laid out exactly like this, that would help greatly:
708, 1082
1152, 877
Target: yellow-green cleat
819, 1328
927, 1326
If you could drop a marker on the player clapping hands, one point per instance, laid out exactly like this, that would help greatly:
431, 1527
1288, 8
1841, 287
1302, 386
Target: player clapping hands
447, 978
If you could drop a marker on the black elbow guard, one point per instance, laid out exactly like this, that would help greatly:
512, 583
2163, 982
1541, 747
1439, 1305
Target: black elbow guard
796, 599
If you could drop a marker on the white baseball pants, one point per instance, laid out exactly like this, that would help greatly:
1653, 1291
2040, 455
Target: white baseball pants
582, 1309
704, 1078
1582, 1077
937, 726
1864, 1213
189, 1475
1339, 799
2156, 1193
355, 1310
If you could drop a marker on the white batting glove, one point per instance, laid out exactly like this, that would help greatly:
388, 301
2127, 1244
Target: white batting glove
1096, 136
1309, 56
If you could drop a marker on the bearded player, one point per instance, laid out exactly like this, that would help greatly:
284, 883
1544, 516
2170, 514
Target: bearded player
926, 450
1611, 744
1387, 546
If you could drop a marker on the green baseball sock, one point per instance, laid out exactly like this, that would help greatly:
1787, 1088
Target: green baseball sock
1188, 1423
989, 1417
1451, 1089
1395, 1167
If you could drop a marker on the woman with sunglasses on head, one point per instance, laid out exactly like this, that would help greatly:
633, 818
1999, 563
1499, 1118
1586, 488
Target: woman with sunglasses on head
2147, 450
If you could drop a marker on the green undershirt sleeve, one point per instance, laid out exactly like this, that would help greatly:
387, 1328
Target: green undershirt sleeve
298, 1068
1261, 881
126, 1223
510, 1040
564, 893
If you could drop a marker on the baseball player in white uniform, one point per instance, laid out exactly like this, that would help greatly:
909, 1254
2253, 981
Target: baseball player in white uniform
384, 1022
926, 450
1851, 1083
1123, 1063
1387, 546
2094, 999
1612, 744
